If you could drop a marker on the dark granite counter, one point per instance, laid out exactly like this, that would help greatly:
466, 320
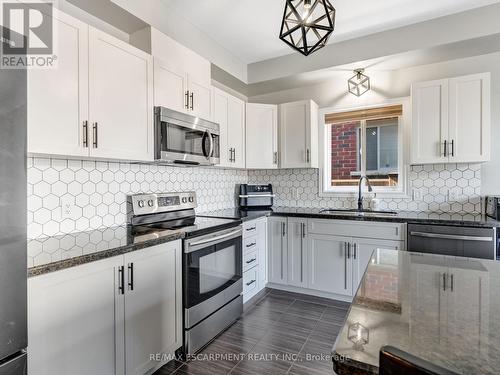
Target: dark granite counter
401, 217
442, 309
85, 247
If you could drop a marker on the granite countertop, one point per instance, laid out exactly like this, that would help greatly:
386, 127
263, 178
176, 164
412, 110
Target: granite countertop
85, 247
403, 302
401, 217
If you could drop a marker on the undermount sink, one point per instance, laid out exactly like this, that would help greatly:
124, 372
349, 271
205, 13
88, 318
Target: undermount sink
354, 212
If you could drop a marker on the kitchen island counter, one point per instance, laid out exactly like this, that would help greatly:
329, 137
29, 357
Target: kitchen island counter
442, 309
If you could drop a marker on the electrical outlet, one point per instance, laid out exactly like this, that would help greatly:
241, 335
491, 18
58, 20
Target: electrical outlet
67, 207
417, 195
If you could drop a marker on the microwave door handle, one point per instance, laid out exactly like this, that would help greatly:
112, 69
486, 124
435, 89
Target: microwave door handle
211, 153
205, 154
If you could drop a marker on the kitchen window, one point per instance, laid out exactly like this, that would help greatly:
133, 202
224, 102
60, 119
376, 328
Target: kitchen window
364, 142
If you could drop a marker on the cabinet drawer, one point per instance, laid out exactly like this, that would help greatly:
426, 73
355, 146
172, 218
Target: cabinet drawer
250, 260
251, 244
350, 228
251, 228
250, 280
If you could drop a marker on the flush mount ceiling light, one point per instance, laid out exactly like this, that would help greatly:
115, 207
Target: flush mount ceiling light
307, 24
359, 84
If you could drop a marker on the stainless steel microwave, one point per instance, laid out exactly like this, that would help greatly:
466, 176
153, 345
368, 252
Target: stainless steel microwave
185, 139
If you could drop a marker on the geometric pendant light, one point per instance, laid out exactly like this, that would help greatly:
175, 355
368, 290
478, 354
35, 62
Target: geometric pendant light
307, 24
359, 84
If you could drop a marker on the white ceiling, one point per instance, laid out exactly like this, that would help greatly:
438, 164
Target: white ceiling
249, 29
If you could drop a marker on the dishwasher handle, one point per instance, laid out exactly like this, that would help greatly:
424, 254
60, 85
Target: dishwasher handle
451, 236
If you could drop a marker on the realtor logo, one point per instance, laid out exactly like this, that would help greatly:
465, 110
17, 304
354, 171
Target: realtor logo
28, 35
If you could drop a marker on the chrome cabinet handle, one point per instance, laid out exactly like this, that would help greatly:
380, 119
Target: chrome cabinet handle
348, 250
452, 282
444, 282
192, 101
131, 276
187, 99
251, 244
355, 251
308, 156
445, 148
453, 148
86, 134
251, 282
251, 260
275, 158
251, 228
95, 135
304, 230
234, 155
345, 265
121, 280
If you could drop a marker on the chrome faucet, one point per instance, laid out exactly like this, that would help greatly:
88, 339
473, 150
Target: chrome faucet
360, 197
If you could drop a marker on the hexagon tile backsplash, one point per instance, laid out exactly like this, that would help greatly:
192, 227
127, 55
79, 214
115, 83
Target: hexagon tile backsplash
433, 181
97, 191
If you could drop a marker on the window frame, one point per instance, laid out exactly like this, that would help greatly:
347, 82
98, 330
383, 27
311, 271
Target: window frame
324, 134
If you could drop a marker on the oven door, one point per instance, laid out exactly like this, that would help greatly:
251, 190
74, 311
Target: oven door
212, 273
182, 138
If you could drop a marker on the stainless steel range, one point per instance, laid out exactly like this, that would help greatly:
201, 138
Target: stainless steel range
212, 261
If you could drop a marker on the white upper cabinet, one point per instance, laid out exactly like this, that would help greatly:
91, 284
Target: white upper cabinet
261, 136
229, 113
120, 99
470, 123
451, 120
299, 135
58, 98
182, 77
170, 87
97, 102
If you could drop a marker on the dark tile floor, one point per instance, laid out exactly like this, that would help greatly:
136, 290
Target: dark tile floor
283, 333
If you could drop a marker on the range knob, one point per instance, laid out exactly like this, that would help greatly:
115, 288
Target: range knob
151, 203
191, 199
184, 200
140, 204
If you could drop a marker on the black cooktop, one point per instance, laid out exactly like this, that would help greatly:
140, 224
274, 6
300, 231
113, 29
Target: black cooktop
191, 227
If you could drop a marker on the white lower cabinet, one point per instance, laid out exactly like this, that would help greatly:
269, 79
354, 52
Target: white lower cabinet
277, 249
322, 256
88, 320
254, 257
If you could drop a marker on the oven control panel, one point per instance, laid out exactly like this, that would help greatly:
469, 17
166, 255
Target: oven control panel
144, 204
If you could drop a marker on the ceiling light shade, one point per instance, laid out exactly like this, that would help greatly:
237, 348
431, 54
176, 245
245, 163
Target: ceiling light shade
307, 24
359, 84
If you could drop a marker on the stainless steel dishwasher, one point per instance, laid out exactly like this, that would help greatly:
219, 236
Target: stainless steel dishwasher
453, 240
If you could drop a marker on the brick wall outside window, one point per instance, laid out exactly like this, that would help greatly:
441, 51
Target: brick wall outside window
344, 150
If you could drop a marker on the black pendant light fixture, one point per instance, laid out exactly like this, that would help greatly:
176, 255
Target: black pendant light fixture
307, 24
359, 83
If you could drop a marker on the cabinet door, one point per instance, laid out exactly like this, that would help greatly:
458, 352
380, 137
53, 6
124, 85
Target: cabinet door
74, 321
153, 305
298, 135
263, 253
430, 122
236, 129
329, 267
277, 249
121, 97
297, 252
58, 97
261, 136
200, 99
220, 111
362, 251
469, 130
170, 87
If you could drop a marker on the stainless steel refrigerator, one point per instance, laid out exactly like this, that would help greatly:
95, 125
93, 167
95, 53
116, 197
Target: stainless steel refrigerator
13, 236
